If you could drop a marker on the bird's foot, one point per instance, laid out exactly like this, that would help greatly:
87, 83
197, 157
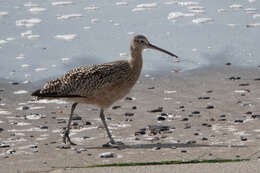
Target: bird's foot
113, 143
66, 138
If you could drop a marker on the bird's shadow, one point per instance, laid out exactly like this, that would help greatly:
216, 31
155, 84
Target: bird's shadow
163, 145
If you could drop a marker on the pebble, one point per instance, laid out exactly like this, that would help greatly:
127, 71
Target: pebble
257, 79
196, 134
181, 107
116, 107
129, 114
134, 107
228, 63
128, 98
239, 121
204, 138
61, 121
43, 127
140, 132
158, 128
11, 151
206, 125
243, 138
184, 151
108, 155
25, 107
64, 146
195, 112
161, 118
210, 107
244, 84
1, 130
185, 119
76, 117
235, 78
159, 109
204, 98
156, 148
4, 145
209, 91
88, 123
256, 116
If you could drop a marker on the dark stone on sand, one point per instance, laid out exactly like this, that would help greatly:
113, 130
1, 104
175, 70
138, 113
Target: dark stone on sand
222, 116
228, 63
134, 107
161, 118
204, 98
108, 155
191, 142
25, 107
15, 83
256, 116
187, 126
33, 146
206, 125
11, 151
64, 146
181, 107
210, 107
196, 134
204, 139
140, 132
209, 91
185, 119
222, 119
239, 121
129, 114
116, 107
164, 114
244, 84
249, 113
184, 151
159, 109
76, 117
243, 138
1, 130
88, 123
257, 79
2, 90
128, 98
150, 88
158, 128
195, 112
234, 78
4, 145
43, 127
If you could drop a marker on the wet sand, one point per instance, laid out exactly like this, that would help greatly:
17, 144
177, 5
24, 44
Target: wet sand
207, 113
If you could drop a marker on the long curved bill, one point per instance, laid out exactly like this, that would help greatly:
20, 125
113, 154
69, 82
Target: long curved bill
151, 46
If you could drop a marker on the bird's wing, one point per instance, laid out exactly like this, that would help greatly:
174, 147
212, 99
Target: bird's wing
85, 81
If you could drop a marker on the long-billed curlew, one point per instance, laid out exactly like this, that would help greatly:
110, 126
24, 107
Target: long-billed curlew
99, 85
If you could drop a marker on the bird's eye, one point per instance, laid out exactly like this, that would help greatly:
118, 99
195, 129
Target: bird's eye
142, 41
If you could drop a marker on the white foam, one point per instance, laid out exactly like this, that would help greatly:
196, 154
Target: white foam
21, 92
30, 4
35, 129
87, 27
36, 107
25, 65
3, 41
236, 6
175, 15
170, 2
221, 10
232, 24
256, 16
91, 8
69, 16
122, 3
253, 25
195, 8
26, 33
62, 3
23, 124
147, 5
197, 11
65, 59
251, 1
3, 13
40, 69
37, 10
28, 22
94, 20
130, 33
188, 3
123, 54
66, 36
33, 37
202, 20
250, 10
10, 38
138, 9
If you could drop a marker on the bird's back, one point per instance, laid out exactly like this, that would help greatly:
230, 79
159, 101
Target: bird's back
111, 81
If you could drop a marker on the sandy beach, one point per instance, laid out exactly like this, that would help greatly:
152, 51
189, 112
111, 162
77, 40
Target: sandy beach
207, 113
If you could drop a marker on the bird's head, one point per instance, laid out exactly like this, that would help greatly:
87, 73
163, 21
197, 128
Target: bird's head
140, 42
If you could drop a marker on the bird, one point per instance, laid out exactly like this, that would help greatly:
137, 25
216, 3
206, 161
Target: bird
100, 85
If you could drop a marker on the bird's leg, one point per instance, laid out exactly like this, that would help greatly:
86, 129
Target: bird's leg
66, 134
102, 116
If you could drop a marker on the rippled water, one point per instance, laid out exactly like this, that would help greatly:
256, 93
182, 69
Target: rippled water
42, 39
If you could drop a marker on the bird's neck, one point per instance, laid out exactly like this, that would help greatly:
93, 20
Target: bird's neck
136, 59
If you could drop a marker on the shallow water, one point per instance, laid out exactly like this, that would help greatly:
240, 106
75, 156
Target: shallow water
43, 39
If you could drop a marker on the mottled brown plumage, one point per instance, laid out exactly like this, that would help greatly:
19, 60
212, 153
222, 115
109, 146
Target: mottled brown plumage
99, 85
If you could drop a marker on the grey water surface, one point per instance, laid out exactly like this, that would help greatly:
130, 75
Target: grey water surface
43, 39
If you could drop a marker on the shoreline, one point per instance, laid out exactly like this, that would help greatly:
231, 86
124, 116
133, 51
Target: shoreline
207, 113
